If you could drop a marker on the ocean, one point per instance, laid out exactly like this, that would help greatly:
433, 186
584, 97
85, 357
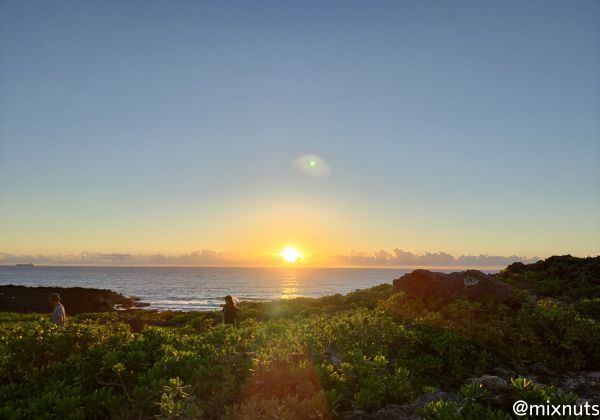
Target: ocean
203, 288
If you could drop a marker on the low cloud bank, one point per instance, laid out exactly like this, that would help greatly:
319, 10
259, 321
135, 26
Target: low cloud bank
398, 257
204, 257
207, 257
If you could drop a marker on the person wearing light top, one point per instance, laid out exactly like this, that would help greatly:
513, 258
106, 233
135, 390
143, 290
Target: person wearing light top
59, 317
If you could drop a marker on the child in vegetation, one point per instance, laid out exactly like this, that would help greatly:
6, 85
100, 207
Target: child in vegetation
229, 311
59, 316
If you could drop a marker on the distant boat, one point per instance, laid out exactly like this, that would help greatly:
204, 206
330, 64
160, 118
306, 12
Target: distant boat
26, 265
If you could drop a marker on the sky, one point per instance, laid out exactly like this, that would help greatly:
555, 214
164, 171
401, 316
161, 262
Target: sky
173, 130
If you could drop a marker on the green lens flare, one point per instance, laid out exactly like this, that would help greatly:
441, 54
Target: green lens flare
312, 163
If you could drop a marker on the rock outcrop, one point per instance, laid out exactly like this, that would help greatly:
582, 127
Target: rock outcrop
490, 382
585, 384
24, 299
442, 288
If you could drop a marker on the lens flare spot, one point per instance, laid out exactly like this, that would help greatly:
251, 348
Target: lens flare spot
312, 165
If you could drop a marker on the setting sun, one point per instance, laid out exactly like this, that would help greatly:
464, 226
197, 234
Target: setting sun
290, 254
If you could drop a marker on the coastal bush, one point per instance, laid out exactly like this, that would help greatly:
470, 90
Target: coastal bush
545, 331
111, 372
565, 277
589, 308
475, 405
97, 368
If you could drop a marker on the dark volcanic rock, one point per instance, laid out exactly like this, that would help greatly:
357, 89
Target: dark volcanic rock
442, 288
24, 299
490, 382
585, 385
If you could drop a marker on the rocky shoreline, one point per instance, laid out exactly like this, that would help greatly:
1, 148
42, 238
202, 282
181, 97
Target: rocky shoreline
26, 299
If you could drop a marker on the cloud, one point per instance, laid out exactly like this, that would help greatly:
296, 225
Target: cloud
204, 257
208, 257
399, 257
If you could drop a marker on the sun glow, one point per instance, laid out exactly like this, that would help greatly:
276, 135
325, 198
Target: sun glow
290, 254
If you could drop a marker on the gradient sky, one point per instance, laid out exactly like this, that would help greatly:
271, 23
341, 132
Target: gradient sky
153, 126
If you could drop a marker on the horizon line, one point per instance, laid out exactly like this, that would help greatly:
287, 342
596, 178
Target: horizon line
382, 267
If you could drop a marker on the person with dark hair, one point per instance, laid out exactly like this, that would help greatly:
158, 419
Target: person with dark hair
59, 316
229, 311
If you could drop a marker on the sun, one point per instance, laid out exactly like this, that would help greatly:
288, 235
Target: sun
290, 254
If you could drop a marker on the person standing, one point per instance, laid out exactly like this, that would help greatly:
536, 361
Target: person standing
229, 311
59, 316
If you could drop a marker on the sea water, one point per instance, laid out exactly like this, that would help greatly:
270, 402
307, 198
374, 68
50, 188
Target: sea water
203, 288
